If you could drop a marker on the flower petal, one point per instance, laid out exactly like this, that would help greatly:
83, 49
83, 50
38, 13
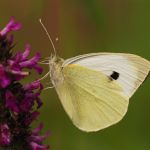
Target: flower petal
36, 146
4, 79
11, 102
26, 53
32, 117
37, 129
32, 86
30, 63
11, 26
5, 136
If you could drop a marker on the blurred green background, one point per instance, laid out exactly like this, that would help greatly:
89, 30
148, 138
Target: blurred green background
84, 26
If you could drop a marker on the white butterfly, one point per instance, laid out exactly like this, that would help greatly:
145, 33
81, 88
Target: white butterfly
95, 89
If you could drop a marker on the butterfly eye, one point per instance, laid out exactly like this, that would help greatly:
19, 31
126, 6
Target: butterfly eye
114, 75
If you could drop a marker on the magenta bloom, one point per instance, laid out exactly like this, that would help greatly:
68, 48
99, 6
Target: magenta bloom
11, 26
17, 101
4, 79
35, 140
5, 136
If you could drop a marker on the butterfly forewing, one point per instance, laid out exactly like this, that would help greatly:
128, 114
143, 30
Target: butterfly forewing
131, 69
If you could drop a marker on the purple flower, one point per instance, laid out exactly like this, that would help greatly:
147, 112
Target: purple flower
21, 61
32, 86
11, 102
4, 79
31, 117
36, 140
11, 26
36, 146
5, 136
17, 101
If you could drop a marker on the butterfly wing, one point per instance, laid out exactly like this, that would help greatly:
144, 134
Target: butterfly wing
91, 98
132, 69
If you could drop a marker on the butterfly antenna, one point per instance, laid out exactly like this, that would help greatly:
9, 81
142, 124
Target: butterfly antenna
49, 37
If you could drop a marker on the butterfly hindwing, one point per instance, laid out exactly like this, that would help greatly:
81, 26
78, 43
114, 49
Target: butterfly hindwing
91, 99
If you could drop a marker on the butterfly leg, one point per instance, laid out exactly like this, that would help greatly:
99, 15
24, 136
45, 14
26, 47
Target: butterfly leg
50, 87
45, 76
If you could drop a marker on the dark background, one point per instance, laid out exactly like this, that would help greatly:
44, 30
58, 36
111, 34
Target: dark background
84, 26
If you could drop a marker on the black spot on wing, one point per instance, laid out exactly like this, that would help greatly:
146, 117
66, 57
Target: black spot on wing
114, 75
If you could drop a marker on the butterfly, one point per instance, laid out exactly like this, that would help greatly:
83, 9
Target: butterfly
95, 88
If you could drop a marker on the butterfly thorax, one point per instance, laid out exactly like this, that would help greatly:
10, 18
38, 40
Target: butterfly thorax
55, 66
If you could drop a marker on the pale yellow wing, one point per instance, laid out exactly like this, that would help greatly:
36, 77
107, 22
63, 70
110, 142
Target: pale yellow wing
91, 99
